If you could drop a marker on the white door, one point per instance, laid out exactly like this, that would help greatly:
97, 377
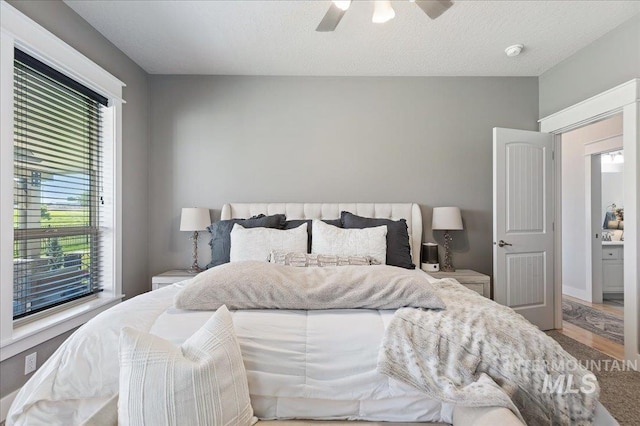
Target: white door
523, 223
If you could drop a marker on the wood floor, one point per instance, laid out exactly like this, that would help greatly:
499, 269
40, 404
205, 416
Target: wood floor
602, 344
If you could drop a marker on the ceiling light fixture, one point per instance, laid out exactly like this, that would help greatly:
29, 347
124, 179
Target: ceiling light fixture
382, 11
342, 4
615, 157
514, 50
612, 162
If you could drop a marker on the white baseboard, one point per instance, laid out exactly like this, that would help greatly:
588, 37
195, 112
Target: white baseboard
5, 404
577, 293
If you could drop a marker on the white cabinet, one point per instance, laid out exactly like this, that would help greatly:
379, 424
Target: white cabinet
613, 268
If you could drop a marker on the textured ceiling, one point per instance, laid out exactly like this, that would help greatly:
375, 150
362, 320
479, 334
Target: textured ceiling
279, 38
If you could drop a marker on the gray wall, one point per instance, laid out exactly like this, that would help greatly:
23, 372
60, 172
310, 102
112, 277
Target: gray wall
607, 62
218, 139
70, 27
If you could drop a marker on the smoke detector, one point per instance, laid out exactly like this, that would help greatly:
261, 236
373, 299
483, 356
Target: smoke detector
514, 50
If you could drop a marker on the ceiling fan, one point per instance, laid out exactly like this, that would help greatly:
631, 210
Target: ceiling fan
382, 11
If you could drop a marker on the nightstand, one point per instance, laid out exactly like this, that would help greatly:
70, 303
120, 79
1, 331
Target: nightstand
170, 277
480, 283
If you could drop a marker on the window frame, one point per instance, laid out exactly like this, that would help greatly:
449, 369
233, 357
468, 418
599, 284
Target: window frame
36, 90
19, 31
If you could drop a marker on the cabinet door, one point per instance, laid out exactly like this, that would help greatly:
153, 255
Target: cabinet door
612, 276
610, 253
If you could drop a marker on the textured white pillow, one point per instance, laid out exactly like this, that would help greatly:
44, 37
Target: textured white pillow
304, 260
257, 243
329, 239
201, 382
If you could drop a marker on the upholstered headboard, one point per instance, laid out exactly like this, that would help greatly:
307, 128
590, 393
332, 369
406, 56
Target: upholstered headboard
408, 211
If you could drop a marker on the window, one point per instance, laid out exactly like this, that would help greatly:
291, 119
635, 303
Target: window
58, 150
60, 185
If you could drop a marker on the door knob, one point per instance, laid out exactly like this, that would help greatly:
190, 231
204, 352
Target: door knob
502, 243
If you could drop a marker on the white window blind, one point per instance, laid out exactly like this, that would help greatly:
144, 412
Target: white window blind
58, 184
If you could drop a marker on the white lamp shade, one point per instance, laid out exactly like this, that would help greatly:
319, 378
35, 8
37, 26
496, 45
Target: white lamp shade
446, 219
194, 219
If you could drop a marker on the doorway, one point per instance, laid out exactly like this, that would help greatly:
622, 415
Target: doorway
592, 199
620, 99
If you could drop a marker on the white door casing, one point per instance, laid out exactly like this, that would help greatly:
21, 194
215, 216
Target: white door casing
523, 215
623, 98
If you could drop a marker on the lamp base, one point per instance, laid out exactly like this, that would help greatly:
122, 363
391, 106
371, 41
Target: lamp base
195, 269
447, 265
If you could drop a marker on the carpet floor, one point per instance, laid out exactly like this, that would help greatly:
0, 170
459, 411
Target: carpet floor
618, 389
601, 323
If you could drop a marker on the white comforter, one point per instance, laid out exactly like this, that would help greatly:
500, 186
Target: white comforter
300, 364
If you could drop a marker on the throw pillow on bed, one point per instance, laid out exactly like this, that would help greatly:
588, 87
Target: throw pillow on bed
398, 247
306, 259
294, 223
328, 239
257, 243
221, 234
201, 382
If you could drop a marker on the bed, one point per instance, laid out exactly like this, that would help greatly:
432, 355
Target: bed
298, 366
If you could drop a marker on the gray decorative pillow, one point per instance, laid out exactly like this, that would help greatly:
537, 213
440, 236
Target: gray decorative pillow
221, 234
305, 259
398, 247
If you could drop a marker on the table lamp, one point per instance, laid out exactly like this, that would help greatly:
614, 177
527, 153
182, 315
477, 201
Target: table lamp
447, 219
194, 219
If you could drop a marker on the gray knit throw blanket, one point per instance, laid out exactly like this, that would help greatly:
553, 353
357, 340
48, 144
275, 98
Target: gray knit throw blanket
478, 353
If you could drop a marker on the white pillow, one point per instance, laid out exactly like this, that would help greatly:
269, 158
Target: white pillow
201, 382
329, 239
257, 243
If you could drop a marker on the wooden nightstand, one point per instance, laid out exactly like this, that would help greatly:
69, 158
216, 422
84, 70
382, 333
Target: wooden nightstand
170, 277
473, 280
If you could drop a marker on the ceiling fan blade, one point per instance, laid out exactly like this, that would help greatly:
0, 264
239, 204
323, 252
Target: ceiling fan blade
434, 8
331, 19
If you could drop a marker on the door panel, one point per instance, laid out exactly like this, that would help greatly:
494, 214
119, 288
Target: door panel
525, 188
524, 272
523, 220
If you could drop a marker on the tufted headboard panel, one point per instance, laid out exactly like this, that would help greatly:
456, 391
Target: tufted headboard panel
408, 211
